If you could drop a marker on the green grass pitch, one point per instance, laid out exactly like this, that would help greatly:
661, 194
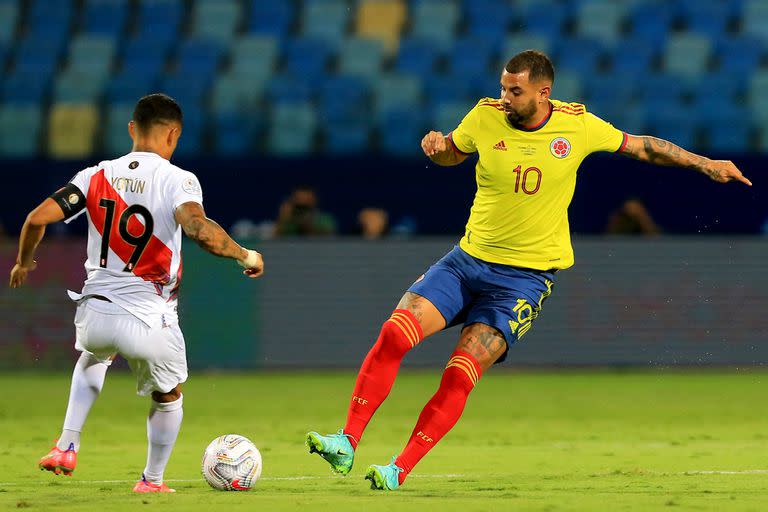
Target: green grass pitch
549, 441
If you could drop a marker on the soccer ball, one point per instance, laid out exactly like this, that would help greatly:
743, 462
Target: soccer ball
231, 463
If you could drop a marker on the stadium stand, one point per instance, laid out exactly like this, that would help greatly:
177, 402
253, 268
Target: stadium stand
349, 70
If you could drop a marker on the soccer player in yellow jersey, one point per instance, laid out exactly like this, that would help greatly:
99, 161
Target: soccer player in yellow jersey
517, 237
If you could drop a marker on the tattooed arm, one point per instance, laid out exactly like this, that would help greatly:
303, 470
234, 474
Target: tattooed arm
661, 152
212, 237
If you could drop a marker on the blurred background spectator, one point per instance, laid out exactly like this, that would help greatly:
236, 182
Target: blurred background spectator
299, 215
373, 222
631, 218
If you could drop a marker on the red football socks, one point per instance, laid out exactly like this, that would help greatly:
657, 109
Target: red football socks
442, 411
398, 335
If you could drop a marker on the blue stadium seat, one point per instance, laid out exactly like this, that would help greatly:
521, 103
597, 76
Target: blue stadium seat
631, 118
20, 129
325, 19
25, 88
105, 17
545, 19
4, 53
401, 131
600, 19
9, 17
287, 88
159, 19
686, 54
307, 56
755, 19
672, 121
710, 19
348, 137
397, 91
578, 55
254, 55
740, 55
274, 18
74, 86
568, 86
192, 140
362, 57
116, 140
236, 133
611, 90
200, 58
665, 86
293, 129
728, 129
37, 57
189, 93
343, 98
756, 97
717, 88
145, 57
633, 55
236, 93
651, 21
45, 16
471, 57
127, 86
91, 55
445, 116
489, 20
416, 57
216, 19
520, 41
435, 21
456, 88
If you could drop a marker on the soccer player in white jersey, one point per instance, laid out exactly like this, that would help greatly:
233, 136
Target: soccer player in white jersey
136, 207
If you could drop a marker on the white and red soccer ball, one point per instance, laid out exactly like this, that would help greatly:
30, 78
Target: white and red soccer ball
231, 463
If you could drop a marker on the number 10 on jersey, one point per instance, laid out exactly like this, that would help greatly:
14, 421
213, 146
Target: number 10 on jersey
522, 181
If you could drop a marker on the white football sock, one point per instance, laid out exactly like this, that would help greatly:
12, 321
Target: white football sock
87, 381
163, 426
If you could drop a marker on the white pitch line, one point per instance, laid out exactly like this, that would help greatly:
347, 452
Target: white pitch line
266, 479
743, 472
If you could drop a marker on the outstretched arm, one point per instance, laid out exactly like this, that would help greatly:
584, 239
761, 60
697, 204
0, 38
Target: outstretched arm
440, 149
32, 233
661, 152
212, 237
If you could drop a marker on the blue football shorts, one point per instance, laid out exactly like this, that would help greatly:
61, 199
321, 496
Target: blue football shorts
468, 290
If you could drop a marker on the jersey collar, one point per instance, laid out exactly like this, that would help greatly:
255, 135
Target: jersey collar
542, 123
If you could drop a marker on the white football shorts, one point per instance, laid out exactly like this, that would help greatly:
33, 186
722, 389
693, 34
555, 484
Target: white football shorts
156, 354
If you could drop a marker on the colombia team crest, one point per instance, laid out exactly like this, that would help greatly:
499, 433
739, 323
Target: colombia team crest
560, 147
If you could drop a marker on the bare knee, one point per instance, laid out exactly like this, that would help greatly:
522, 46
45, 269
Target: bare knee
429, 318
483, 342
171, 396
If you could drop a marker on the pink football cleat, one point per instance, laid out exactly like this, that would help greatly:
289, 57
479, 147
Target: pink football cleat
144, 487
60, 461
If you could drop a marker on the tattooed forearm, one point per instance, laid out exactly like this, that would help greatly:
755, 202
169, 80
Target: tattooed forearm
661, 152
212, 237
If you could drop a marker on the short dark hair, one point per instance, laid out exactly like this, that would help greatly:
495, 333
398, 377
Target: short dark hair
154, 109
535, 62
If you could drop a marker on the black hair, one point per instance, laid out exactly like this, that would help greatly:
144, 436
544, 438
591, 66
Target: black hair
156, 109
538, 65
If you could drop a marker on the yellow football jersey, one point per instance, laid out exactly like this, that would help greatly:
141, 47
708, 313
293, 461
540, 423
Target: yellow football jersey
525, 181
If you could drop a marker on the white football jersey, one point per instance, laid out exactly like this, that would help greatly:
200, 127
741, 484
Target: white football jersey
134, 241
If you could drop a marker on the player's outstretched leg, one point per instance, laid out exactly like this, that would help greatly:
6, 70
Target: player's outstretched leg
438, 417
399, 334
163, 424
87, 381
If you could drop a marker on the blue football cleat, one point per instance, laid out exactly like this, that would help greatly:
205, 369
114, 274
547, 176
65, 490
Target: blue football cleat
384, 478
334, 448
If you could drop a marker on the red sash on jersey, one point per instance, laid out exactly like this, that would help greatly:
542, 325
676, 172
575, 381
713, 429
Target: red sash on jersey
155, 262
